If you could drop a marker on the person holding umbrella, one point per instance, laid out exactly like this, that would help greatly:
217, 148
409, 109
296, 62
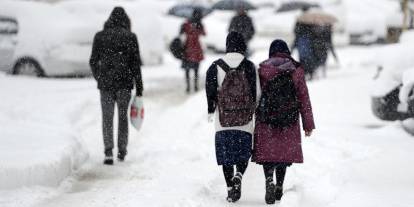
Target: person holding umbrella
243, 24
193, 53
322, 45
313, 39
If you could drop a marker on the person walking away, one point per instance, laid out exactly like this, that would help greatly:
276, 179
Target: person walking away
322, 45
277, 137
243, 24
193, 54
231, 96
116, 65
304, 41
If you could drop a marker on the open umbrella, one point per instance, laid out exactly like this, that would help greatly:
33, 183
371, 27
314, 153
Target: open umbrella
296, 5
233, 5
186, 10
319, 19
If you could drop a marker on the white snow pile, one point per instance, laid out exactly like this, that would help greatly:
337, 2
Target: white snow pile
395, 59
38, 144
95, 12
43, 27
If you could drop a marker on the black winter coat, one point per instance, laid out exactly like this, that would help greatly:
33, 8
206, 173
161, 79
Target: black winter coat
242, 24
321, 41
115, 59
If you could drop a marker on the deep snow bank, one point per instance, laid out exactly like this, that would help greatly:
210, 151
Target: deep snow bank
37, 154
38, 145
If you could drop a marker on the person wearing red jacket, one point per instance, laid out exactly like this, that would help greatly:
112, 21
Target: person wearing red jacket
193, 54
278, 146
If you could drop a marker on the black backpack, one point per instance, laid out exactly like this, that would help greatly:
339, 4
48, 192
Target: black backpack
177, 48
279, 106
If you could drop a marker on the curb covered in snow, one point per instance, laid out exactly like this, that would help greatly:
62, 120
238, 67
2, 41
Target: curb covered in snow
38, 155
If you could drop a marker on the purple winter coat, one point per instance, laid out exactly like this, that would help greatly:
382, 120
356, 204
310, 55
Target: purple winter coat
283, 145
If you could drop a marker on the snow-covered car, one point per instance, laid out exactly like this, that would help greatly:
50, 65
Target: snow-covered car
393, 86
8, 34
385, 101
59, 42
271, 23
378, 17
392, 94
145, 20
390, 86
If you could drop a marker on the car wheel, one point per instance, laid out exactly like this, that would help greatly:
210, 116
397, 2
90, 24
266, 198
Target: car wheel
28, 67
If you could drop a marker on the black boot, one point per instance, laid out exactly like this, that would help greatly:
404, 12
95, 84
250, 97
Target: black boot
270, 196
109, 160
229, 194
121, 155
278, 193
237, 180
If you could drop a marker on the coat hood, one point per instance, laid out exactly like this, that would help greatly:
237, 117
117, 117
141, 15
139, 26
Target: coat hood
118, 18
278, 46
280, 63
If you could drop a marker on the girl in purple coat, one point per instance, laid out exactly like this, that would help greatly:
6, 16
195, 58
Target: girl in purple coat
278, 146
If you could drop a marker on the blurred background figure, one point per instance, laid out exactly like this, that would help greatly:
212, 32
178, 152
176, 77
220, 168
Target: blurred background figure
322, 45
193, 54
313, 39
303, 43
243, 24
116, 65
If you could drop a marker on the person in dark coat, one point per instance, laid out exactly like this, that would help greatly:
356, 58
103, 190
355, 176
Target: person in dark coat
277, 148
116, 66
243, 24
322, 44
233, 144
193, 54
304, 42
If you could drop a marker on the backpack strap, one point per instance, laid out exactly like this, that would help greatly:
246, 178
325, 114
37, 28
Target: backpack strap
223, 65
242, 64
220, 62
227, 68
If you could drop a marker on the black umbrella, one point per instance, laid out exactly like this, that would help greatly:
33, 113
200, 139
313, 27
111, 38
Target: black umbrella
233, 5
186, 10
296, 5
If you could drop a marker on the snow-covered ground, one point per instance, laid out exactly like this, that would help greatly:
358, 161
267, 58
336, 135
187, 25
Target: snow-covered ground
51, 145
353, 159
39, 141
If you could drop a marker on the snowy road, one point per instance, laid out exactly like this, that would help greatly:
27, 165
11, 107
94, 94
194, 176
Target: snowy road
352, 160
